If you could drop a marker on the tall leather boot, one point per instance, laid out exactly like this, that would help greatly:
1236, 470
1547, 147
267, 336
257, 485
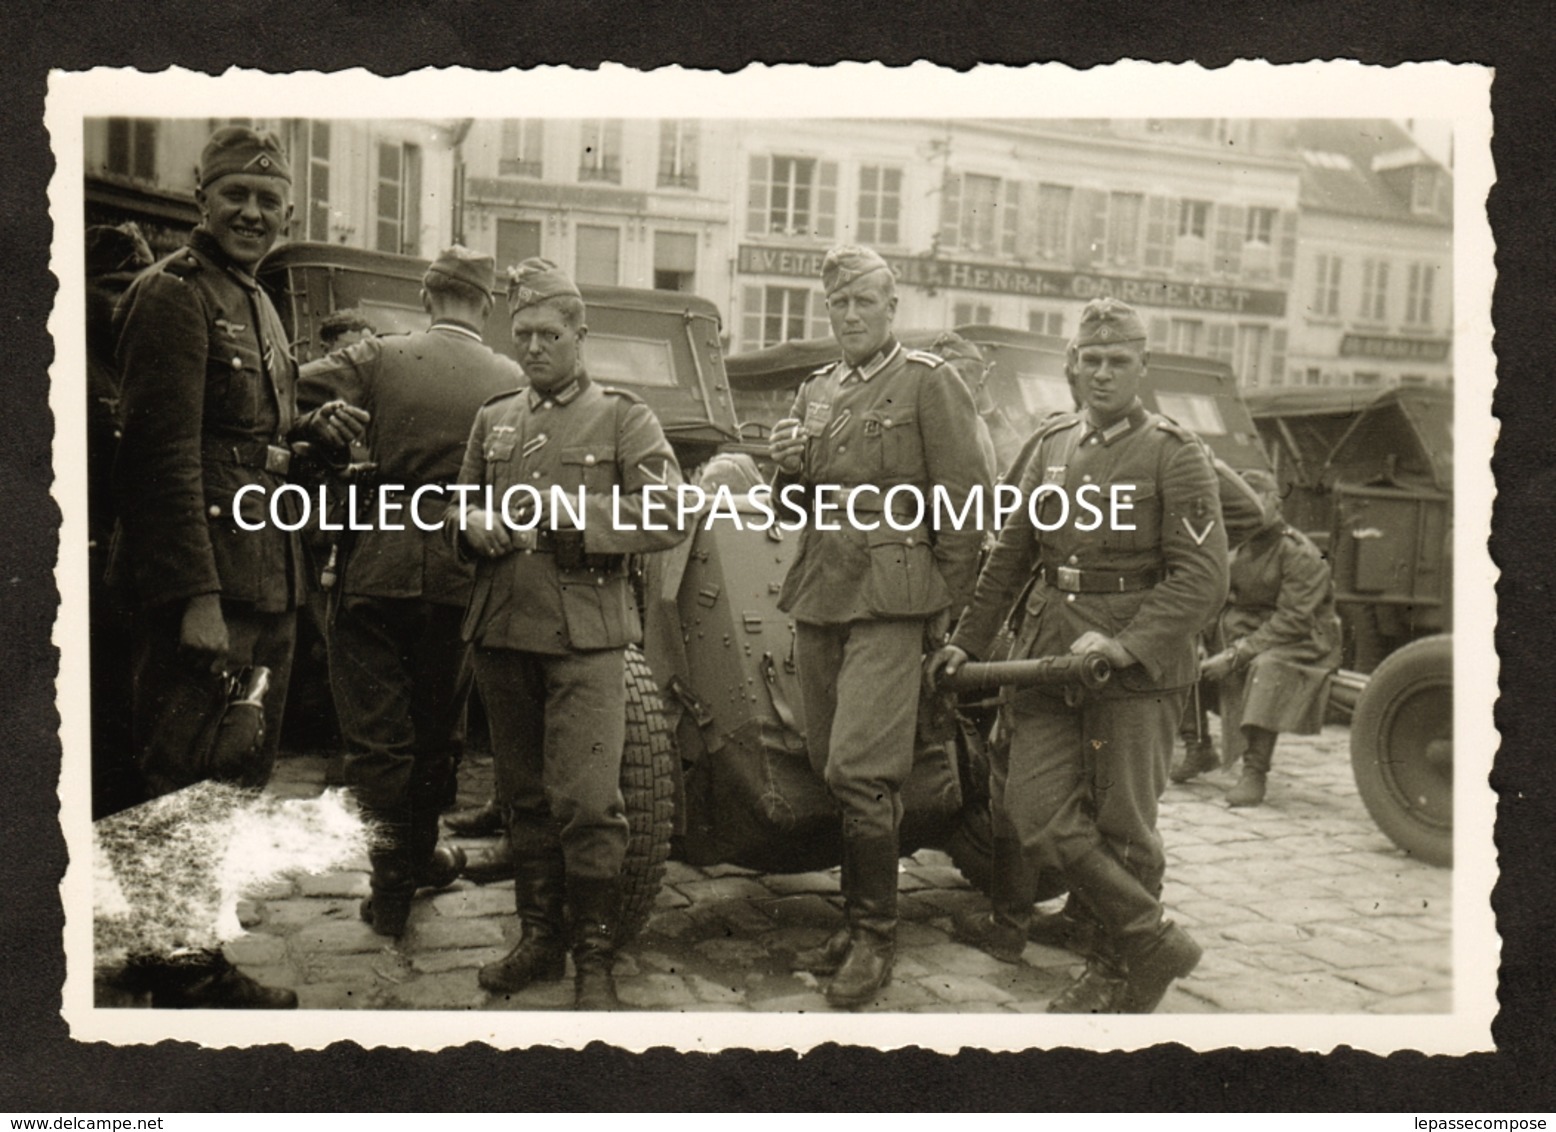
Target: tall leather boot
1001, 929
826, 959
1153, 951
538, 891
432, 865
393, 881
1249, 790
594, 941
871, 905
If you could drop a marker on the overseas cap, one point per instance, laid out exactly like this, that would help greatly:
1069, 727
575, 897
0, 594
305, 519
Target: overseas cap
238, 149
847, 262
115, 249
536, 280
1106, 321
459, 262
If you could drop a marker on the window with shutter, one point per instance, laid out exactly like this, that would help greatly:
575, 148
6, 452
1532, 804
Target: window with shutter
1229, 239
1010, 226
1157, 335
1221, 338
1287, 265
826, 201
1278, 356
678, 154
1053, 221
880, 204
950, 210
1090, 229
1158, 233
1123, 228
520, 154
757, 194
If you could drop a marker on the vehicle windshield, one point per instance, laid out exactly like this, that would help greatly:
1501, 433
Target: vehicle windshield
1194, 411
618, 359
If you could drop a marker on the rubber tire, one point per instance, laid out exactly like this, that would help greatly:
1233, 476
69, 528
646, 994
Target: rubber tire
648, 789
1410, 695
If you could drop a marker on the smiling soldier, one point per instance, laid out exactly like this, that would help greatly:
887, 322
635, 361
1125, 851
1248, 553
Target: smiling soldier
1078, 788
209, 407
865, 602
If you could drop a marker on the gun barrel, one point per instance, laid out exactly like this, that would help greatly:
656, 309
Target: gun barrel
1090, 671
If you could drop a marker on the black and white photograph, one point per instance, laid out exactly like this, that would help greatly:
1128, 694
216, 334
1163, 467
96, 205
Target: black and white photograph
628, 572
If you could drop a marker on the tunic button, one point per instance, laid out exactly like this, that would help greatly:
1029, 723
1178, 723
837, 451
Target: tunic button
589, 459
1069, 597
1093, 440
534, 475
216, 512
1074, 559
237, 362
1085, 479
842, 448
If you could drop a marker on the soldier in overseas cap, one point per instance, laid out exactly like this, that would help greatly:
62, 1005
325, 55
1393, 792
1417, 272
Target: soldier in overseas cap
550, 619
866, 601
1276, 643
208, 407
1078, 788
400, 670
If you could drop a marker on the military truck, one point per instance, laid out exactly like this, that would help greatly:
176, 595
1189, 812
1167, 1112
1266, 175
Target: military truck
715, 768
1368, 476
1024, 382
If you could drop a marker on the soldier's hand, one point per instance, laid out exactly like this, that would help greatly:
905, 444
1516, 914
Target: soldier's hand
787, 445
486, 533
944, 661
340, 422
203, 632
1092, 641
1218, 667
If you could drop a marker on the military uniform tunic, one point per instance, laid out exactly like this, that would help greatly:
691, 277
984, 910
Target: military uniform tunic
1280, 621
1086, 778
861, 598
551, 624
399, 668
208, 401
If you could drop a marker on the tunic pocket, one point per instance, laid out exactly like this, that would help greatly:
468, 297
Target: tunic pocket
903, 580
590, 466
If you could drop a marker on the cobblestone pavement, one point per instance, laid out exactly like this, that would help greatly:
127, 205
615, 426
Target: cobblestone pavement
1302, 906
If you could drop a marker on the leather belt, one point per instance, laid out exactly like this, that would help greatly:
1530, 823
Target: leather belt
270, 458
1072, 579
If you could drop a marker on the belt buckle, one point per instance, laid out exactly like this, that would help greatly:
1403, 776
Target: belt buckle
1068, 578
278, 461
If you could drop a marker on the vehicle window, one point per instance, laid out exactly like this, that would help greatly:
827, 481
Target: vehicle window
617, 359
1193, 411
1041, 394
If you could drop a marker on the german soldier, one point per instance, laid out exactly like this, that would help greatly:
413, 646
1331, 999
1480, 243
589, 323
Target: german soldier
1277, 640
208, 403
550, 618
865, 601
399, 667
1079, 786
